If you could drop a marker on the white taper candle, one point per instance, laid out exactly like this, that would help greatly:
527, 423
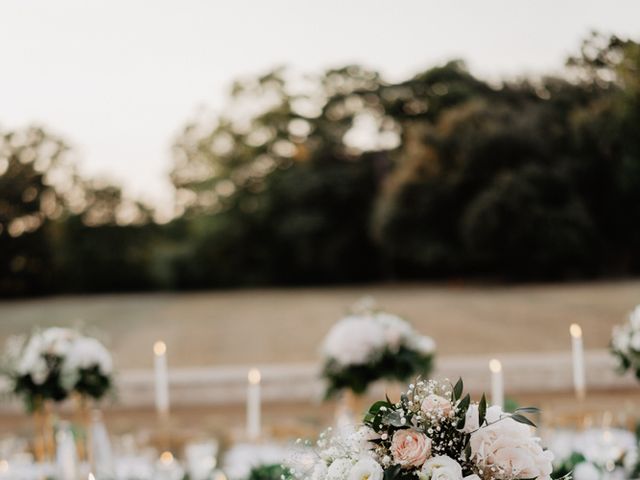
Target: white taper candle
253, 404
577, 350
162, 379
497, 383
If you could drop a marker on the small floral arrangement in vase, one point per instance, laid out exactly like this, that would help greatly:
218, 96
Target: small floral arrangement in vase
370, 345
625, 343
434, 432
52, 365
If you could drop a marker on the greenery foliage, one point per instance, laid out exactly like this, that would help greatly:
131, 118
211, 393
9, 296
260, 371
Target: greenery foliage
270, 472
344, 177
34, 394
400, 365
92, 383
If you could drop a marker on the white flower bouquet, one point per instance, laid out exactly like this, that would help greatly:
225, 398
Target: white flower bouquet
596, 454
51, 364
625, 343
433, 433
371, 345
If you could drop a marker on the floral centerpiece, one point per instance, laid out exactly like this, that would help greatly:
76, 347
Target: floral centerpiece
625, 343
87, 368
53, 363
596, 454
34, 365
370, 345
50, 366
433, 433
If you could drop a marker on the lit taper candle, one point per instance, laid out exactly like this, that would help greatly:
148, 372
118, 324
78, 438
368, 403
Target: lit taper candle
162, 379
577, 350
253, 404
497, 383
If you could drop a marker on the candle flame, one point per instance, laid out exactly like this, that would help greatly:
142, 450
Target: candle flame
495, 366
159, 348
254, 376
166, 458
575, 330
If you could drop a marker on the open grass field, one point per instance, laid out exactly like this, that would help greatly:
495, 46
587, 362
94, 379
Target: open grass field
287, 325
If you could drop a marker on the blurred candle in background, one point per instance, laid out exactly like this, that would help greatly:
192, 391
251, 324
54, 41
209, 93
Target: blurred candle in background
67, 461
497, 383
577, 347
162, 379
253, 404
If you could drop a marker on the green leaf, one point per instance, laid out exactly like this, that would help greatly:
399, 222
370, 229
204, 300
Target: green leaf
528, 410
522, 419
375, 408
394, 418
462, 408
457, 389
392, 473
482, 409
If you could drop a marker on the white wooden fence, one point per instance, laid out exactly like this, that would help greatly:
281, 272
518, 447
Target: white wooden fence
542, 372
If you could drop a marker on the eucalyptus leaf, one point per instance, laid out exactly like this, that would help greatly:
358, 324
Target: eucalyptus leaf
457, 389
482, 410
527, 410
522, 419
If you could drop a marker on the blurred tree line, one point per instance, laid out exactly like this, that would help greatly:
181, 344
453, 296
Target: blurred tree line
344, 177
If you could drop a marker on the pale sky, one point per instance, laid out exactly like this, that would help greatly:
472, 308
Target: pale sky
119, 78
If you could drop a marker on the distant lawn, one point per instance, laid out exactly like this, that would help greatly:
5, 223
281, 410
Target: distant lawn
287, 325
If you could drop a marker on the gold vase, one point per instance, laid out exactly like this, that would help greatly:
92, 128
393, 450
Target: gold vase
44, 444
348, 408
82, 409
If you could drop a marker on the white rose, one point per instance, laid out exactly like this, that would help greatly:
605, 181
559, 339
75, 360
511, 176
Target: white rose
57, 341
620, 340
86, 352
510, 448
339, 469
472, 418
586, 471
366, 469
422, 344
39, 371
634, 342
396, 330
494, 413
33, 362
442, 467
353, 340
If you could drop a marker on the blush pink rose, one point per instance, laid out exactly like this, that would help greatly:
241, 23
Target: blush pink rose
436, 405
410, 448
